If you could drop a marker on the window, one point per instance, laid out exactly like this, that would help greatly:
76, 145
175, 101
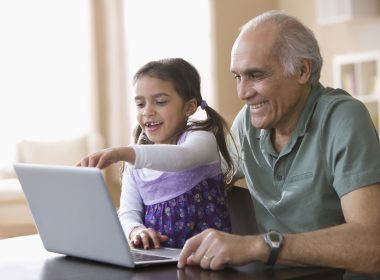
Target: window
45, 71
168, 28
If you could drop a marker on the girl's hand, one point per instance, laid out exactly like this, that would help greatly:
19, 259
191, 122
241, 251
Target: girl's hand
146, 238
105, 158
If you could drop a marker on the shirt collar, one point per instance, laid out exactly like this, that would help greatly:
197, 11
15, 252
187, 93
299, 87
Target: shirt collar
307, 114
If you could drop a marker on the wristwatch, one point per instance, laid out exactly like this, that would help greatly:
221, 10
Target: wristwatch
274, 240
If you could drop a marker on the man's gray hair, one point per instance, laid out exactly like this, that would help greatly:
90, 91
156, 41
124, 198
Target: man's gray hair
295, 43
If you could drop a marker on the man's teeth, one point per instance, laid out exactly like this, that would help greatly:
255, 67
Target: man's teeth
258, 105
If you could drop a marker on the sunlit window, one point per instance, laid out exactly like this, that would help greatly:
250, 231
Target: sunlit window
168, 28
45, 71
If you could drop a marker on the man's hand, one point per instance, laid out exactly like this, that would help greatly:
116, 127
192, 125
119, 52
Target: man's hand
212, 249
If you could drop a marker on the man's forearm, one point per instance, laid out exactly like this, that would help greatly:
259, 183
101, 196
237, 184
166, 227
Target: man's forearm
349, 246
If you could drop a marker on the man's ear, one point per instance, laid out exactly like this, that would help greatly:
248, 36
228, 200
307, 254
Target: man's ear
190, 107
305, 71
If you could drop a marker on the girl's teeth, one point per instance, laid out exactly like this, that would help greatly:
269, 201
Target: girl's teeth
151, 124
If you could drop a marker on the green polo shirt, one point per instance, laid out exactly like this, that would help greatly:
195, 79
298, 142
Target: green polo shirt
333, 150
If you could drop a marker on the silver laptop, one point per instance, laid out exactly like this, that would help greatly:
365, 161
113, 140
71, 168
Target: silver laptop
74, 215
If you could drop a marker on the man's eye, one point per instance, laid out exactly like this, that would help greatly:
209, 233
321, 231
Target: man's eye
139, 105
258, 76
255, 76
236, 77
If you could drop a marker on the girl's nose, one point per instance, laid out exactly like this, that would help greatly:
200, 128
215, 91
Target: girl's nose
148, 110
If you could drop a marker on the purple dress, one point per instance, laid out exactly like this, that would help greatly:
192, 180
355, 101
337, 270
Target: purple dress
182, 204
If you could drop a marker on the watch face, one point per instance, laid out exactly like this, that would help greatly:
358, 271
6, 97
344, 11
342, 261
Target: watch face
274, 237
274, 241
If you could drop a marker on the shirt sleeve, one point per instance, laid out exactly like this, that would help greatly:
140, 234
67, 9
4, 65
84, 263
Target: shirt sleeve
352, 146
131, 210
199, 148
235, 143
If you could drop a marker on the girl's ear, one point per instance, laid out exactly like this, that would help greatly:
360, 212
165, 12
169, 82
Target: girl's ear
190, 107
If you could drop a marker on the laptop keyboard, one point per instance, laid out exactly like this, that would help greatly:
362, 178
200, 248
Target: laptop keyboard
138, 257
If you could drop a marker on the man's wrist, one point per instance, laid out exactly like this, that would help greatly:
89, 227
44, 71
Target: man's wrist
257, 249
274, 241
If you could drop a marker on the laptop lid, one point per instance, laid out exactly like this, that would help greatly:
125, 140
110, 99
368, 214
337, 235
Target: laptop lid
74, 214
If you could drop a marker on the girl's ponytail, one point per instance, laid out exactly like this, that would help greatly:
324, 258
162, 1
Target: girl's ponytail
218, 126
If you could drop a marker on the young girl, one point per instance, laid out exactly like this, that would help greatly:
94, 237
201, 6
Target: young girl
173, 186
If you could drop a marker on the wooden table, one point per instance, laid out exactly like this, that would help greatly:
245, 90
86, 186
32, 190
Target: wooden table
25, 258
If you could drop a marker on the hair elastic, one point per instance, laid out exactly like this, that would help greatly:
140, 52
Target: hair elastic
203, 104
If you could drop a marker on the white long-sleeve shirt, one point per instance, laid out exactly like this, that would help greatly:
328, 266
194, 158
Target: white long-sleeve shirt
199, 148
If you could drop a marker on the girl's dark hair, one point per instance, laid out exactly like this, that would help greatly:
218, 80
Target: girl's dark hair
187, 82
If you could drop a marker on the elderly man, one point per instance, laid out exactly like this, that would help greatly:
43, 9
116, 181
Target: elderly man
310, 156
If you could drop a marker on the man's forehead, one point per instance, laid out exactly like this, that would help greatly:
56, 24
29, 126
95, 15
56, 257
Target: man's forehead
252, 44
262, 35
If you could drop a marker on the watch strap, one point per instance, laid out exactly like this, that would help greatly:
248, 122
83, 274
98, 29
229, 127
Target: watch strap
273, 254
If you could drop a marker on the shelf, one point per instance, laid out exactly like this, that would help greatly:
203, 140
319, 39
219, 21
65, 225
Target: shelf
359, 75
337, 11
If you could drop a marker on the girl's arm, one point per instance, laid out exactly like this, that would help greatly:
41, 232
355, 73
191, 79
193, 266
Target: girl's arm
199, 148
131, 213
131, 210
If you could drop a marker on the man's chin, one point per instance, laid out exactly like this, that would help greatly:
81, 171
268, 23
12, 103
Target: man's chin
258, 125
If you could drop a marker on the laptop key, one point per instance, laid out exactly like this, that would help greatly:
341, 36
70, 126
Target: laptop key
138, 257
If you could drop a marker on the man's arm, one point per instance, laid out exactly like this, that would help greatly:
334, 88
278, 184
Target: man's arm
353, 246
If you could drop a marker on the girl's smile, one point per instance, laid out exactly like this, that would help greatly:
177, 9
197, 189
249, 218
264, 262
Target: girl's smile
152, 125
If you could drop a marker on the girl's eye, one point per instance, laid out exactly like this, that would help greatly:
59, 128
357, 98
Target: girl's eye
139, 105
161, 102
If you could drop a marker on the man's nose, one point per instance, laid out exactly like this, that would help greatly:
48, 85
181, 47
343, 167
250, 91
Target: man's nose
244, 90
